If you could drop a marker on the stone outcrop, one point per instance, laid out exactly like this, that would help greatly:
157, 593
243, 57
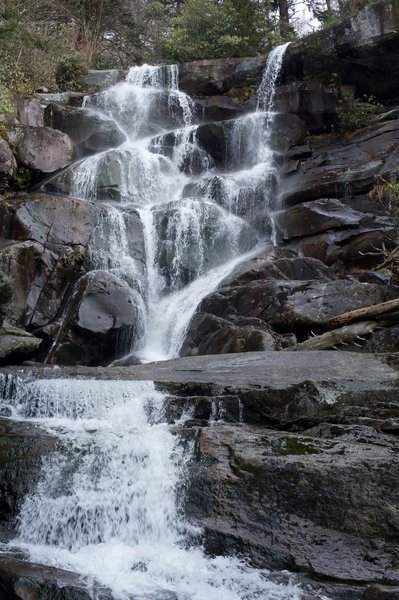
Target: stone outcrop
8, 165
90, 132
100, 323
312, 487
354, 50
41, 148
338, 166
296, 297
46, 250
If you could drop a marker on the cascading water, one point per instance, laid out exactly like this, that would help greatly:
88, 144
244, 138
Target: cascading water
201, 216
109, 501
107, 504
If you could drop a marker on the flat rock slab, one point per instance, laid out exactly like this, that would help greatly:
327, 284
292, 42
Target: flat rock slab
23, 580
273, 369
276, 370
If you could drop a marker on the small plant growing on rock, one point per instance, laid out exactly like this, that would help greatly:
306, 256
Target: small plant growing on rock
70, 72
386, 192
354, 113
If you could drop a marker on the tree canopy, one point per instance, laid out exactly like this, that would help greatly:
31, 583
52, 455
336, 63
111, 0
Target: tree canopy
43, 41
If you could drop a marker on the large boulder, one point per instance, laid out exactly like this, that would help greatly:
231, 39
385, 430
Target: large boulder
89, 131
41, 148
45, 245
298, 502
102, 321
5, 295
333, 166
309, 218
208, 334
17, 345
293, 306
8, 165
354, 50
315, 103
217, 76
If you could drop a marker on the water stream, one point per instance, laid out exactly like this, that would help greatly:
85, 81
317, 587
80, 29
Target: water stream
203, 209
108, 505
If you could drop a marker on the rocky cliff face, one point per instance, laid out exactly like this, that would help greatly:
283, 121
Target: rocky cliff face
295, 453
326, 211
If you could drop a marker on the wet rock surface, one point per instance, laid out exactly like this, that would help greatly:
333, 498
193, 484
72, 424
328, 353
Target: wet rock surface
8, 165
22, 447
295, 463
46, 252
22, 580
89, 131
41, 148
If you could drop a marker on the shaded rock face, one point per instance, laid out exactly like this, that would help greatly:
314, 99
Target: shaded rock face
213, 77
89, 132
8, 165
47, 252
355, 50
22, 448
297, 487
284, 299
294, 460
101, 322
329, 166
42, 148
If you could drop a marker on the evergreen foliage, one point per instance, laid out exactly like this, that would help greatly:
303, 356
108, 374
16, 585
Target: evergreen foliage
49, 43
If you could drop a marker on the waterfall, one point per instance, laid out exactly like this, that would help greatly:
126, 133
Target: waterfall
108, 502
201, 216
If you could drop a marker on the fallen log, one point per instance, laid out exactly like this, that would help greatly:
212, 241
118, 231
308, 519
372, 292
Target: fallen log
343, 335
373, 311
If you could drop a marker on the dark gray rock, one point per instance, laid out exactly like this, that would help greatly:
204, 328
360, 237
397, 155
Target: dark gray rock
54, 221
293, 305
17, 345
313, 102
105, 78
298, 502
287, 130
341, 165
213, 137
279, 265
219, 108
347, 250
381, 592
90, 131
22, 447
53, 234
208, 334
102, 321
386, 340
313, 217
354, 50
5, 295
41, 148
23, 580
106, 303
217, 76
8, 164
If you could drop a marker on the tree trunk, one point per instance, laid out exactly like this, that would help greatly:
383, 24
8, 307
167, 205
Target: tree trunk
376, 310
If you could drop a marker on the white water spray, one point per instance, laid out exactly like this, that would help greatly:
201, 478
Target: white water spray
199, 220
107, 504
